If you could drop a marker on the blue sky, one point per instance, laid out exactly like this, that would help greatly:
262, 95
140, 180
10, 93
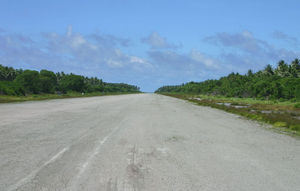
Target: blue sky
148, 43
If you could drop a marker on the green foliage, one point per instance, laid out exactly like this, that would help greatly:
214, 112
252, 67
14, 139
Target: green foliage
11, 88
268, 70
294, 68
30, 81
8, 73
72, 82
18, 82
120, 87
282, 69
280, 83
282, 115
297, 105
280, 124
48, 81
295, 127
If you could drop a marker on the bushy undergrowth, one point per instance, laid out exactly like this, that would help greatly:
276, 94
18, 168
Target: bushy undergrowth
283, 116
297, 105
281, 83
16, 82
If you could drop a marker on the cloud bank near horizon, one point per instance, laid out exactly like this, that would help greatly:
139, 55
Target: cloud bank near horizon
163, 62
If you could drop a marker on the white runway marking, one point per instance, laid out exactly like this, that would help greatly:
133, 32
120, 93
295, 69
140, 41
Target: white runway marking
34, 173
91, 157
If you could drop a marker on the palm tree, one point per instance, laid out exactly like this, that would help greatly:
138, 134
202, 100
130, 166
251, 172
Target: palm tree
268, 70
294, 68
282, 69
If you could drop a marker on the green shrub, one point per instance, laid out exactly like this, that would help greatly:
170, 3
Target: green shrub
30, 80
297, 105
11, 88
293, 100
48, 81
72, 82
280, 124
295, 127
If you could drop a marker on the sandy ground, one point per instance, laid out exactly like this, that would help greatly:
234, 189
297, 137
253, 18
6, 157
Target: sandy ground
140, 142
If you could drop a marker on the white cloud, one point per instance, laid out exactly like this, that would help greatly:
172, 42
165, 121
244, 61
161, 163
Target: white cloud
105, 56
69, 31
244, 51
202, 58
287, 38
113, 63
244, 41
69, 52
158, 42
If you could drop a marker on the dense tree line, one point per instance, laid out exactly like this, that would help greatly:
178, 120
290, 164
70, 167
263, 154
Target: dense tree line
281, 82
22, 82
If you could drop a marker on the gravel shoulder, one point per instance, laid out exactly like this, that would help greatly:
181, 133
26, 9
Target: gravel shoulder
140, 142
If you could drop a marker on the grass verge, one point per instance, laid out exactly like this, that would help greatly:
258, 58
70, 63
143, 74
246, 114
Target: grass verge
36, 97
283, 116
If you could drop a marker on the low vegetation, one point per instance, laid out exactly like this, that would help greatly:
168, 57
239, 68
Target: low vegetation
280, 83
271, 95
282, 115
22, 85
